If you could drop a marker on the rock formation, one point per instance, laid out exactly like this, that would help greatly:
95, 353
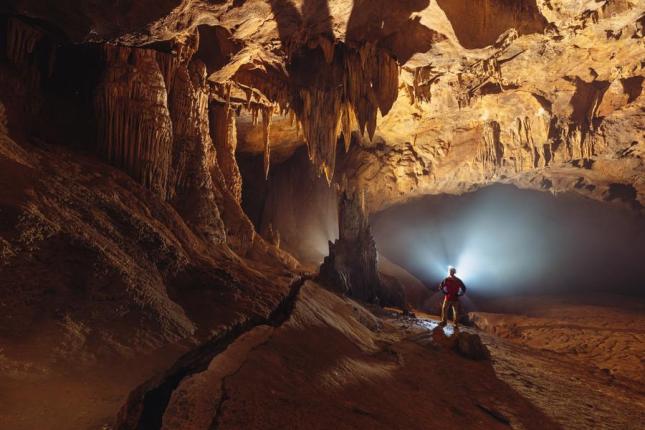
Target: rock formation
128, 229
350, 266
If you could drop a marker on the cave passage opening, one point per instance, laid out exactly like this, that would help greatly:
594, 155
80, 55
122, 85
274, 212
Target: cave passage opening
506, 241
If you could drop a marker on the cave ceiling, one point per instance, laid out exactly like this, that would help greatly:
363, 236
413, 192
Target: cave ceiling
425, 96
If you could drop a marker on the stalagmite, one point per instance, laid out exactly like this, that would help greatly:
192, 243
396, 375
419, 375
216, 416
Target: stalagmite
351, 266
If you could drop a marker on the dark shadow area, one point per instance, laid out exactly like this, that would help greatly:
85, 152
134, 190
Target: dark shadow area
77, 18
216, 47
378, 21
288, 18
478, 23
506, 241
389, 24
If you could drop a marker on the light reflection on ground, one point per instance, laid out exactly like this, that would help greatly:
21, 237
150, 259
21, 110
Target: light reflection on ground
431, 325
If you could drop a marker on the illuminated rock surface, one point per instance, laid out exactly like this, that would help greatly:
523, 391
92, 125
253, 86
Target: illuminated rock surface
161, 161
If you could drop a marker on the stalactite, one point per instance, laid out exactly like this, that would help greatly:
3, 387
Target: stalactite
491, 149
21, 40
134, 131
423, 79
224, 135
372, 83
348, 123
168, 63
320, 122
352, 85
267, 113
386, 82
359, 87
327, 47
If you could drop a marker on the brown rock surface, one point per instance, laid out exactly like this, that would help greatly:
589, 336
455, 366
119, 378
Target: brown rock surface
351, 266
331, 360
122, 233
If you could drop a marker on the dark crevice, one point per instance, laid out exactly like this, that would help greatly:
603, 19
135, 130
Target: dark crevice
218, 414
624, 192
633, 87
147, 404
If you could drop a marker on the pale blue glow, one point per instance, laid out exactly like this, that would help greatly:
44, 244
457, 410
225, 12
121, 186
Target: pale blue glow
502, 239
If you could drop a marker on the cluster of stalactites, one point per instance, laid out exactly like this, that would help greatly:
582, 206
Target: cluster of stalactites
370, 83
491, 150
265, 112
24, 43
421, 89
134, 129
21, 40
255, 102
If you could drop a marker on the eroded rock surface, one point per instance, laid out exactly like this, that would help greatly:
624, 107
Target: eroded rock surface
332, 359
542, 94
120, 126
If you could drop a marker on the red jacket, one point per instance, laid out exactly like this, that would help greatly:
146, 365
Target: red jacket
452, 287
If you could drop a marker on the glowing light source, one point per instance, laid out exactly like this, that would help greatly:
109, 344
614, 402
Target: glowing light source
502, 240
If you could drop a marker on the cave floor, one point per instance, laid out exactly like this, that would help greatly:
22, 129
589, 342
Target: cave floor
564, 384
573, 395
332, 364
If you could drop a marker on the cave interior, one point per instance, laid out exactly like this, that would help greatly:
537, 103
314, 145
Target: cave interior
237, 214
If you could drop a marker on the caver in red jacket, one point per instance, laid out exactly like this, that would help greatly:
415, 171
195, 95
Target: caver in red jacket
452, 287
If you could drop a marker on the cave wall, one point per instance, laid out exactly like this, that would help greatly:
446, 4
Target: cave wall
555, 106
555, 111
119, 233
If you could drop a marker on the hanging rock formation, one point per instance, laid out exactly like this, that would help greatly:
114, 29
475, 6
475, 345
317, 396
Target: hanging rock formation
341, 91
122, 234
134, 127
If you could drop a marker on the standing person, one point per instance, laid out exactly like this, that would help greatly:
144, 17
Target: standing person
453, 288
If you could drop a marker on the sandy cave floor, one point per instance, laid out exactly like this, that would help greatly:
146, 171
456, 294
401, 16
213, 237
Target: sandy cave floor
573, 394
327, 365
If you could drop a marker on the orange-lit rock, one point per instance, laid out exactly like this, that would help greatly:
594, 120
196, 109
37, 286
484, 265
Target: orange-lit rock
136, 252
